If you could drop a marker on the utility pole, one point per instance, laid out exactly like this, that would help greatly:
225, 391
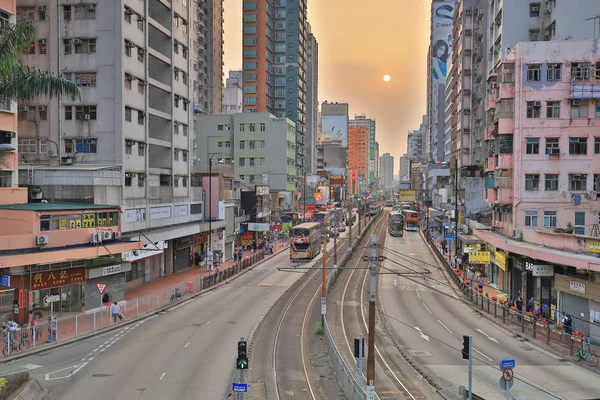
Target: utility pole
334, 249
359, 212
523, 295
350, 225
324, 286
371, 344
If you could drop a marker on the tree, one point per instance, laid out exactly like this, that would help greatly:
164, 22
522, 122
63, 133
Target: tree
20, 82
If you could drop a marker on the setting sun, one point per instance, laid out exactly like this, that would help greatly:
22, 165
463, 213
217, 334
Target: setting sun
386, 78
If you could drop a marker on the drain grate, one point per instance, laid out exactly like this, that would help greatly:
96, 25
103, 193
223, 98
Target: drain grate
419, 353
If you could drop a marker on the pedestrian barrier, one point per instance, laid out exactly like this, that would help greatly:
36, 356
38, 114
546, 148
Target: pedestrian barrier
66, 327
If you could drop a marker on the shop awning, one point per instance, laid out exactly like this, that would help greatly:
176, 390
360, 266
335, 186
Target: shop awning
470, 239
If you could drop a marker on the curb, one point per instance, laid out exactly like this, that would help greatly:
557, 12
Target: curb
110, 328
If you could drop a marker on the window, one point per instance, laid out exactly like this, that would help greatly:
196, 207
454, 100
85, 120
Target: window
128, 178
534, 72
533, 145
578, 146
249, 30
141, 85
532, 182
249, 65
67, 46
551, 183
67, 13
534, 35
27, 146
579, 223
263, 127
176, 155
85, 79
549, 219
534, 9
579, 108
127, 114
84, 46
185, 130
84, 145
596, 182
242, 144
42, 46
141, 149
250, 101
597, 145
580, 71
250, 77
531, 218
554, 72
533, 109
577, 182
184, 155
26, 13
128, 146
85, 11
140, 117
250, 41
31, 48
85, 112
141, 180
249, 88
127, 13
68, 113
552, 146
249, 17
553, 109
250, 5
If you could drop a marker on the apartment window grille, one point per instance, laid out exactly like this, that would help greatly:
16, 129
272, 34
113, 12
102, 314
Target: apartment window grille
549, 219
552, 146
551, 182
532, 182
141, 149
577, 182
533, 145
580, 71
578, 146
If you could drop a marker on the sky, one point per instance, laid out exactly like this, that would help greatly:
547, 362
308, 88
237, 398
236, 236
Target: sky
359, 43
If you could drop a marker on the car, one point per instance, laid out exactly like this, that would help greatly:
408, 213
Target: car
341, 228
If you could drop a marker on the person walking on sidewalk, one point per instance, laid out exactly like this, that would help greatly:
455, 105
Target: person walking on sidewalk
567, 322
115, 311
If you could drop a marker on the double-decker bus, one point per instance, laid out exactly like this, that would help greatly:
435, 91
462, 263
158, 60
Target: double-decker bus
374, 209
305, 241
396, 224
411, 220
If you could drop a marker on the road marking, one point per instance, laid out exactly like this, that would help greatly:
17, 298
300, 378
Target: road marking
187, 344
427, 308
448, 329
163, 375
242, 294
395, 282
73, 370
424, 336
474, 349
488, 336
227, 306
419, 295
208, 323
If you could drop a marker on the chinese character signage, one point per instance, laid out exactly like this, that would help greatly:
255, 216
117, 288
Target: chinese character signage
577, 287
407, 195
56, 278
594, 247
479, 257
500, 260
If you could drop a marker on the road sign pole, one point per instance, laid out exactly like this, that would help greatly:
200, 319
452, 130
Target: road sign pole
360, 360
471, 369
241, 394
100, 311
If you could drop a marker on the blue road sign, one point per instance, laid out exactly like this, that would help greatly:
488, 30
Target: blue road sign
239, 387
5, 280
449, 237
507, 363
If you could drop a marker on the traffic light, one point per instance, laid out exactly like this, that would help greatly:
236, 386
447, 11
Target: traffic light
242, 357
357, 344
466, 347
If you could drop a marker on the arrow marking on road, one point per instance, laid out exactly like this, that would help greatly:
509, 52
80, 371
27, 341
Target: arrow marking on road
487, 336
66, 374
395, 282
424, 336
25, 368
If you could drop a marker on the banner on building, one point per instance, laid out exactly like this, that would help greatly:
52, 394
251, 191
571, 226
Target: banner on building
500, 259
256, 227
594, 247
407, 195
479, 257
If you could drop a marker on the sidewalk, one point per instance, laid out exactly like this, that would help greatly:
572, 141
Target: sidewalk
139, 301
491, 305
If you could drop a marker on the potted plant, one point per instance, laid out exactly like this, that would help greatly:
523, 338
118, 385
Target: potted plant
570, 227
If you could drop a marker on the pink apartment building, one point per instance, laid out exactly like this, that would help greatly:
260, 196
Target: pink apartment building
543, 175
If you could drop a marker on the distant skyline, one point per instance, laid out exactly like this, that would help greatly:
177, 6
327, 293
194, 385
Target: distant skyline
358, 44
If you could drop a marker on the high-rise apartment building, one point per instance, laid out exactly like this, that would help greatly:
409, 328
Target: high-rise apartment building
127, 141
312, 109
404, 171
361, 121
387, 170
275, 59
232, 93
209, 20
358, 157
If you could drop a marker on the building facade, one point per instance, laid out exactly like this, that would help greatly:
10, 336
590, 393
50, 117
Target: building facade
209, 29
358, 158
361, 121
386, 170
232, 94
312, 109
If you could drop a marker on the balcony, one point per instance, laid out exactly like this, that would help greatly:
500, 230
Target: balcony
490, 101
504, 196
491, 164
506, 124
491, 196
505, 161
506, 90
491, 131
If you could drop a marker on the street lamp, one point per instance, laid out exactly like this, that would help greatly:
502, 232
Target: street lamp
210, 162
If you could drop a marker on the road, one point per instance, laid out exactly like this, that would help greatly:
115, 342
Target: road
187, 352
430, 322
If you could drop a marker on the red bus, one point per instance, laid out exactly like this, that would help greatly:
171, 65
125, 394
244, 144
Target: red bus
411, 220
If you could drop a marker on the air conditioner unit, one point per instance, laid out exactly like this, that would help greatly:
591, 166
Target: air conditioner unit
518, 235
466, 131
117, 235
106, 235
468, 32
93, 238
23, 108
576, 102
42, 41
66, 160
129, 77
466, 150
42, 108
86, 116
41, 8
51, 153
92, 141
42, 240
76, 41
535, 9
553, 151
129, 11
10, 135
90, 6
467, 111
468, 52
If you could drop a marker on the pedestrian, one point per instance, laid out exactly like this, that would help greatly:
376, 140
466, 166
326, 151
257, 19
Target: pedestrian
115, 311
530, 305
567, 323
253, 247
480, 283
519, 305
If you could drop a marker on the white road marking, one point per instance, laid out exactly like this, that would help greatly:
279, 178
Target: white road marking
208, 323
427, 308
187, 344
419, 295
73, 370
474, 349
241, 294
448, 329
424, 336
91, 358
163, 375
227, 306
488, 336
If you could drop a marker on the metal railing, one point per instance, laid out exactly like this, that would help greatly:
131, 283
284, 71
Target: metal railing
63, 328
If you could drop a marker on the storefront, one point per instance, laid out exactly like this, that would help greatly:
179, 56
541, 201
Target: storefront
113, 273
182, 254
200, 245
580, 299
498, 269
61, 287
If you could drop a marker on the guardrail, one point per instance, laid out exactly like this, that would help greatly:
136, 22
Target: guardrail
346, 378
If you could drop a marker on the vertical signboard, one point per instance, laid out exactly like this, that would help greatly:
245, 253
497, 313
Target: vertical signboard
441, 39
372, 152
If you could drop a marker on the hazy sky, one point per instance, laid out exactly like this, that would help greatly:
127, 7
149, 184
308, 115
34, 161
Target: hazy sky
360, 42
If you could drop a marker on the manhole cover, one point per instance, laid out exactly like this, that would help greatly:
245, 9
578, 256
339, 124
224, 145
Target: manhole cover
419, 353
101, 375
231, 322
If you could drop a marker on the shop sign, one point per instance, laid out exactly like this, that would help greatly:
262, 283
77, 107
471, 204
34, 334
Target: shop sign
467, 248
113, 269
407, 195
577, 287
479, 257
132, 215
57, 278
500, 260
594, 247
200, 238
5, 280
252, 227
180, 210
51, 299
543, 270
160, 212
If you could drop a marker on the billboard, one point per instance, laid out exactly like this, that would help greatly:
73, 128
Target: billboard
336, 127
441, 39
407, 195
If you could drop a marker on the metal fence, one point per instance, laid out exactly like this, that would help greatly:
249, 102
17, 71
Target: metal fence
66, 327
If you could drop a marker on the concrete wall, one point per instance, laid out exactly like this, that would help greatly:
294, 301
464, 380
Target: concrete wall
116, 288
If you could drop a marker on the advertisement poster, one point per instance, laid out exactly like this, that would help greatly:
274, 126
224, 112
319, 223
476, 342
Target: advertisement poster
335, 126
441, 39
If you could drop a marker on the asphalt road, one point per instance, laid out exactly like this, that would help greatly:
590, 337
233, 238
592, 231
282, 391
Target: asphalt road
430, 322
187, 352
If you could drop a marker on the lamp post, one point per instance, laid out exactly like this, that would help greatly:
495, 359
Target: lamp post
210, 161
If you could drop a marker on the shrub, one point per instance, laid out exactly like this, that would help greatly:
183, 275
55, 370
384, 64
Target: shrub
319, 330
